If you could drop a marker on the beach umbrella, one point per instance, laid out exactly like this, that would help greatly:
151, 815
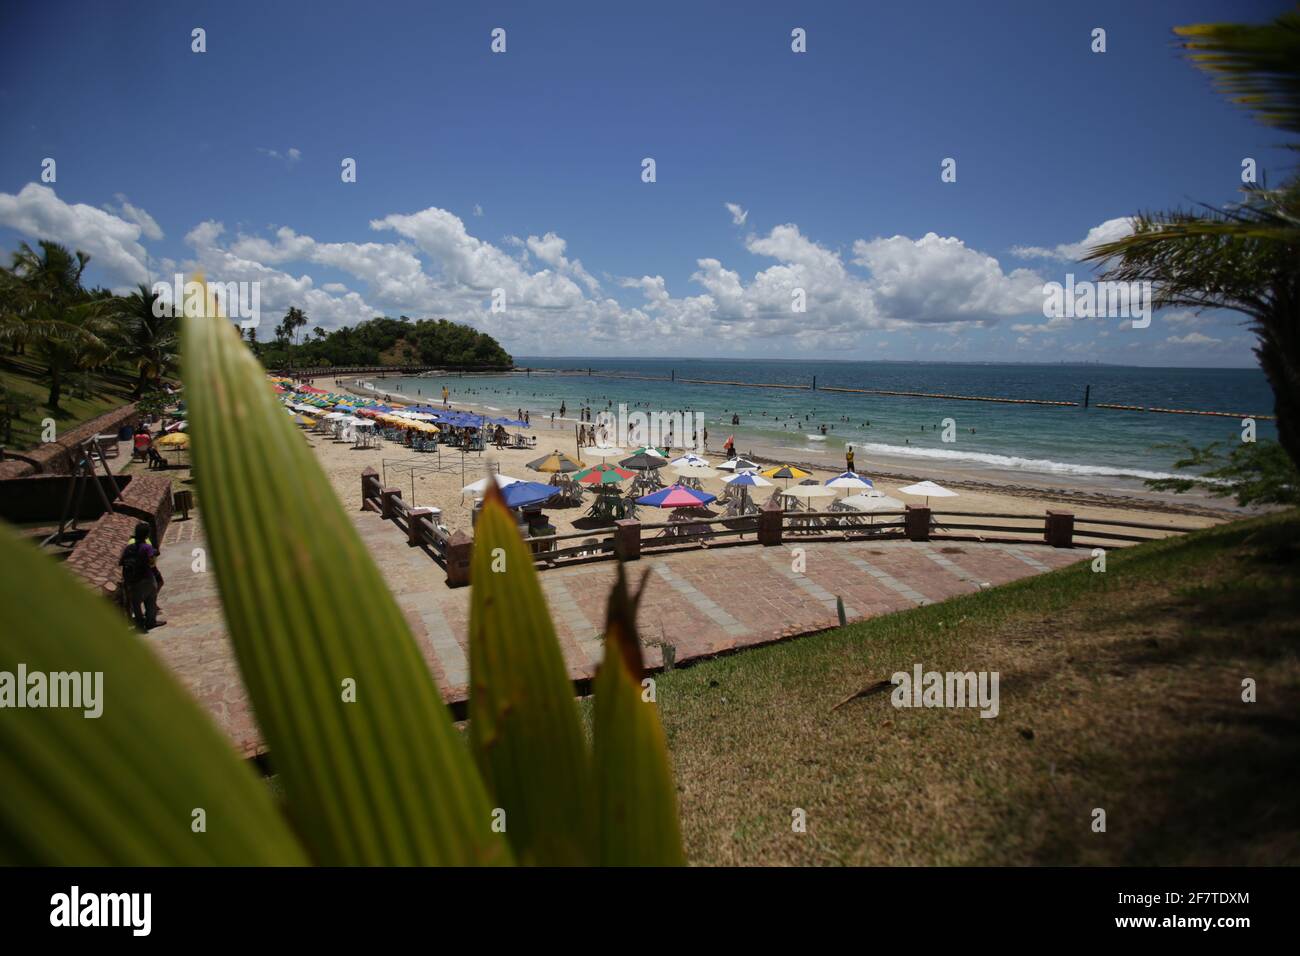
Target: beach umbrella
747, 479
929, 489
651, 450
786, 472
603, 475
480, 486
644, 462
690, 458
849, 479
695, 471
303, 420
876, 502
808, 492
174, 440
677, 496
521, 494
557, 461
738, 464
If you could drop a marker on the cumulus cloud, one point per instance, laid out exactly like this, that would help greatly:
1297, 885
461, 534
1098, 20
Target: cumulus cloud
1108, 231
149, 227
428, 263
738, 215
1192, 338
289, 157
113, 242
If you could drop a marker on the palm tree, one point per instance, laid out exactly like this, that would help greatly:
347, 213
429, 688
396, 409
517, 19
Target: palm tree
149, 340
1245, 258
47, 309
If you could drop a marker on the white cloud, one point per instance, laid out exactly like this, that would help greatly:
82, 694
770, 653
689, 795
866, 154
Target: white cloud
290, 157
149, 227
738, 215
1192, 338
112, 242
1108, 231
938, 279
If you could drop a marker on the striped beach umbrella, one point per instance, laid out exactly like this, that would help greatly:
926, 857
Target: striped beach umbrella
557, 461
677, 496
603, 475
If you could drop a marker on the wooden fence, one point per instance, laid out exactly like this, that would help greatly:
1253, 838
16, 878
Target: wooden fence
627, 540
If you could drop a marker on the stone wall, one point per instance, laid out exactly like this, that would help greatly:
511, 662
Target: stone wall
55, 458
147, 498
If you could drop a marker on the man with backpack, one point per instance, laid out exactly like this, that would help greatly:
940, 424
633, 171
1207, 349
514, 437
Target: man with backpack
140, 577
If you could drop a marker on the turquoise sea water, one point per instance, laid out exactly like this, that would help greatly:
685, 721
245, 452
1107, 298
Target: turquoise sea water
1039, 440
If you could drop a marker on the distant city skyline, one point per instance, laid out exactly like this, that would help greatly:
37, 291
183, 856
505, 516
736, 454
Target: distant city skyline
780, 178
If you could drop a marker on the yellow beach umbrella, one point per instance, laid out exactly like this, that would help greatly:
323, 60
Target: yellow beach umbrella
786, 471
174, 440
557, 461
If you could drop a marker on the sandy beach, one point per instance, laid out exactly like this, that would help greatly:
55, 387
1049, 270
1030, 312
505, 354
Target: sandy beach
439, 478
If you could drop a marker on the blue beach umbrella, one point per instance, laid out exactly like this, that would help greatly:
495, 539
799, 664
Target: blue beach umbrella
677, 496
521, 494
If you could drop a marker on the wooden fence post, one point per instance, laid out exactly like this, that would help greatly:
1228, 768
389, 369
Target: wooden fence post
770, 520
1058, 531
414, 527
386, 506
627, 539
369, 478
460, 551
916, 522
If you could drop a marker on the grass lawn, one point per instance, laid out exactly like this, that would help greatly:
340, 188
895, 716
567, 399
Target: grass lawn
1120, 690
24, 376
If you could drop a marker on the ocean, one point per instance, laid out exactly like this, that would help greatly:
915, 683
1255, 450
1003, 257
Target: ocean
1025, 439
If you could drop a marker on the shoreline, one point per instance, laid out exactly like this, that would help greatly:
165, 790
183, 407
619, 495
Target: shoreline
987, 480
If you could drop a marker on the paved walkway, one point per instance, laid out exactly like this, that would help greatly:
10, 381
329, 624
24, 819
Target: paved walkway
701, 602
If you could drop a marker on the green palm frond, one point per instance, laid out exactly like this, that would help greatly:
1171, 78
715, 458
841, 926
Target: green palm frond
1254, 65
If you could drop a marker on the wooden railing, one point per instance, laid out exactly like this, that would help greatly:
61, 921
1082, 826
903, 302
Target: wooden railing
628, 539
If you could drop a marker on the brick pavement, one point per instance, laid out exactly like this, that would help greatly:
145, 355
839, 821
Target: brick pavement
700, 602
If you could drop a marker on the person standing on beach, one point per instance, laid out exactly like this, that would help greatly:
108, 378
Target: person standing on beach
561, 409
445, 394
848, 456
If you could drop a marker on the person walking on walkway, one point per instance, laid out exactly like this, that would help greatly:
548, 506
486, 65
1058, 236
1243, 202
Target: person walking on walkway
140, 577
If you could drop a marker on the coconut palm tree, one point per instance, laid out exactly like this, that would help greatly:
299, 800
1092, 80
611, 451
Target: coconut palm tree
1245, 258
48, 311
147, 339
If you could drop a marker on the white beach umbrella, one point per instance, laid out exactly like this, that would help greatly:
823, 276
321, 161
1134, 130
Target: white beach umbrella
690, 458
737, 464
808, 492
929, 489
605, 451
867, 503
334, 416
695, 471
480, 486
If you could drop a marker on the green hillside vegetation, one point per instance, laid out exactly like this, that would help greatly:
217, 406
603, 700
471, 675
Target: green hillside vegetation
380, 341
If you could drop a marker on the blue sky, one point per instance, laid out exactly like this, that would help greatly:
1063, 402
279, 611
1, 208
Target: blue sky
521, 171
